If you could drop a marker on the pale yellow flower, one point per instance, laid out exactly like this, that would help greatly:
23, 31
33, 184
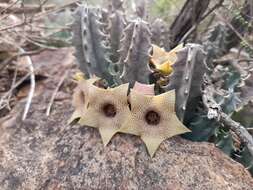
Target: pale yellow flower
106, 110
153, 118
163, 60
80, 97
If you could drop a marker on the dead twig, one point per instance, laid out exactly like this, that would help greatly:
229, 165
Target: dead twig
34, 42
234, 63
39, 15
2, 100
194, 27
56, 9
42, 3
32, 85
233, 29
55, 93
240, 130
7, 6
215, 112
12, 26
13, 83
16, 9
9, 60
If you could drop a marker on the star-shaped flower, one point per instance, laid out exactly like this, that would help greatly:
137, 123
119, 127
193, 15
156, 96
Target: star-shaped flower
153, 118
80, 98
106, 110
162, 60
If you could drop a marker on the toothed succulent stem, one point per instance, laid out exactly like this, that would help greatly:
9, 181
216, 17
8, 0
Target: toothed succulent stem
187, 79
116, 5
136, 44
159, 36
116, 27
90, 42
246, 90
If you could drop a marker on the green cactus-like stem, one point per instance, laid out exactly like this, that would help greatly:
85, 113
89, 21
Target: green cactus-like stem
187, 80
157, 32
136, 45
246, 90
116, 27
90, 42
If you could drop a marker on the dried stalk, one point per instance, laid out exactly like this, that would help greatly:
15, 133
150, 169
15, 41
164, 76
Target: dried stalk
8, 6
32, 88
234, 63
2, 100
39, 15
215, 112
16, 9
55, 93
9, 60
194, 27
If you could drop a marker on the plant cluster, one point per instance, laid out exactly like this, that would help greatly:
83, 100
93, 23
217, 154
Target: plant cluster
211, 90
139, 112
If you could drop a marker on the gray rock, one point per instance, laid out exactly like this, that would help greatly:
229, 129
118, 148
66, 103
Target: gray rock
45, 153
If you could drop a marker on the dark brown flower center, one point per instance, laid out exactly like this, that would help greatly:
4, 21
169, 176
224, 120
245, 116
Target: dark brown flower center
109, 110
152, 118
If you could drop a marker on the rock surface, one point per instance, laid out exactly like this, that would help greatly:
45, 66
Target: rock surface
44, 153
